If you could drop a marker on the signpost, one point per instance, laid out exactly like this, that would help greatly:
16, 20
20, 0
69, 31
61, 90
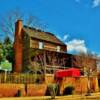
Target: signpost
6, 66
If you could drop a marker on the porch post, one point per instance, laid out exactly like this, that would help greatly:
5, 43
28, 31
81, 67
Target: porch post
44, 59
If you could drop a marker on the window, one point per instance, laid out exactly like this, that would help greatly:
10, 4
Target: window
58, 48
41, 45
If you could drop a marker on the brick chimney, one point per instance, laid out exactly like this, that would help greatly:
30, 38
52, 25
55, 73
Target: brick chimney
18, 28
18, 46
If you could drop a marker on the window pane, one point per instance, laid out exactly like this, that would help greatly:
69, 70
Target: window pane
58, 48
41, 45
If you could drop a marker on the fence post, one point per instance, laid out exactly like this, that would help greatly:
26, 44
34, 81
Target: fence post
5, 77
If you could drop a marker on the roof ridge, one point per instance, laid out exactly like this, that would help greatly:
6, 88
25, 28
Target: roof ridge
39, 30
46, 33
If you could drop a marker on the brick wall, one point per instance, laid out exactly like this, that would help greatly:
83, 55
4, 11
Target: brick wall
18, 46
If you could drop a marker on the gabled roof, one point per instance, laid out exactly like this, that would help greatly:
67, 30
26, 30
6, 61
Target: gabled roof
41, 35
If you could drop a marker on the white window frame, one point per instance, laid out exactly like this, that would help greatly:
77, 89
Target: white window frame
41, 45
58, 48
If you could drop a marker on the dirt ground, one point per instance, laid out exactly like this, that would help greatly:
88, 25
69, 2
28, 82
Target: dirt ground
95, 96
61, 98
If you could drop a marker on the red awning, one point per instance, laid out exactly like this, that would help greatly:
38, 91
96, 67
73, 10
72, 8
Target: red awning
68, 73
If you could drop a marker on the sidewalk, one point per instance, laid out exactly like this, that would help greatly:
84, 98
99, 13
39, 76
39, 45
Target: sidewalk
94, 96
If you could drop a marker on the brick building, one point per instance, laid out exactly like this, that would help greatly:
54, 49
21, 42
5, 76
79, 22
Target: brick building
35, 49
28, 39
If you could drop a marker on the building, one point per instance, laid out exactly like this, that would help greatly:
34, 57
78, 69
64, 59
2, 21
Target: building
36, 50
28, 39
85, 63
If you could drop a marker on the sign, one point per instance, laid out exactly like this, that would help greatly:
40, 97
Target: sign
6, 65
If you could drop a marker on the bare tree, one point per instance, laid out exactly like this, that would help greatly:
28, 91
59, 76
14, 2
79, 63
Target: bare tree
7, 22
88, 62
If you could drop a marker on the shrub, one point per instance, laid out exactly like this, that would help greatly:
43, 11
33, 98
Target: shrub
68, 90
52, 90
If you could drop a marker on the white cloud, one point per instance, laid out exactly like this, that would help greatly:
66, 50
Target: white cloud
96, 3
76, 45
65, 37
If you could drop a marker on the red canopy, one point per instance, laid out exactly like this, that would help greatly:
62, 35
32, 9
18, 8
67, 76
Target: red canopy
68, 72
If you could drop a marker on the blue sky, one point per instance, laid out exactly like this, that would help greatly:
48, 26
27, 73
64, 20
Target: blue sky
76, 22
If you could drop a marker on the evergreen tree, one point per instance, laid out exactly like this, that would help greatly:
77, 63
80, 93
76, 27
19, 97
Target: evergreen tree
8, 51
1, 51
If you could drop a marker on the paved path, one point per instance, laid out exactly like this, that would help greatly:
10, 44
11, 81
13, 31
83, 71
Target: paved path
94, 96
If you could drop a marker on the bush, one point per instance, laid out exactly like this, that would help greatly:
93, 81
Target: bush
18, 94
68, 90
52, 90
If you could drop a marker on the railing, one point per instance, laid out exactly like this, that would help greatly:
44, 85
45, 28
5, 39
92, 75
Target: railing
28, 78
21, 78
52, 69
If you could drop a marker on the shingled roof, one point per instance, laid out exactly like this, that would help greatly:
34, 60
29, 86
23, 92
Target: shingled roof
41, 35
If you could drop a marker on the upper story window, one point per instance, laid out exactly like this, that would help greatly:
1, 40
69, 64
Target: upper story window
41, 45
58, 48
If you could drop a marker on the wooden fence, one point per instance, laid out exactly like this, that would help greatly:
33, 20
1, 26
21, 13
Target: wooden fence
21, 78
